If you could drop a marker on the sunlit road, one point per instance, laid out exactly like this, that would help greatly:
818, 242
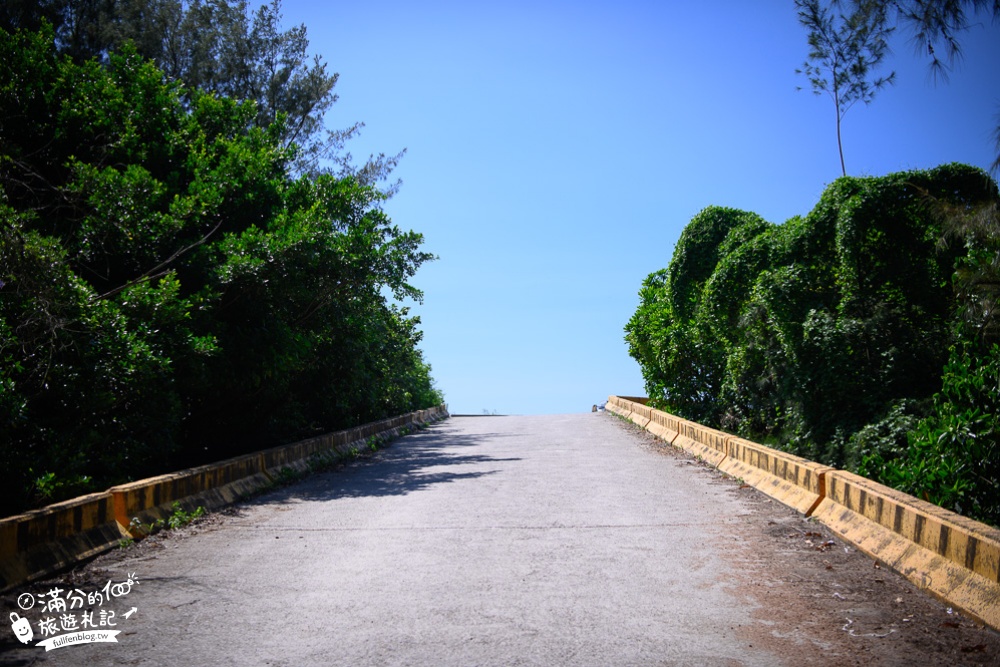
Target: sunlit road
556, 540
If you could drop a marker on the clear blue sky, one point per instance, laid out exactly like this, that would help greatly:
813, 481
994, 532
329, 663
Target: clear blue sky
556, 150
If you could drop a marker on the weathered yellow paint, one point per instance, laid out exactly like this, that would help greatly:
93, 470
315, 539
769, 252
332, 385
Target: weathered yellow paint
685, 441
940, 576
639, 419
663, 426
951, 556
704, 443
46, 540
617, 408
790, 479
210, 486
8, 537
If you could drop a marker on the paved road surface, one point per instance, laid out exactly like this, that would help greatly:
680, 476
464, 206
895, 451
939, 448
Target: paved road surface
563, 540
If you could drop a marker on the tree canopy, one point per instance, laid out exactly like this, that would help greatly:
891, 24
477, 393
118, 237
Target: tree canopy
837, 334
847, 40
216, 46
173, 289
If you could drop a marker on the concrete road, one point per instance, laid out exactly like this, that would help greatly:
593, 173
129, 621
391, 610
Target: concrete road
558, 540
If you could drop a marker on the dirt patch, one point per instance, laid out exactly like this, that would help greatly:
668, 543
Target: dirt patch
821, 601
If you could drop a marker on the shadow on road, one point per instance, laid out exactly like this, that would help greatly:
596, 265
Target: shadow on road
413, 463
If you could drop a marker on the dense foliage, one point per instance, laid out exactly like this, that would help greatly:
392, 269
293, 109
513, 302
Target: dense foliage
172, 288
218, 46
861, 335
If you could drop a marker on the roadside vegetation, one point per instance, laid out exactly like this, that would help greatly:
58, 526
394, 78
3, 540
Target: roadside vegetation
864, 335
191, 267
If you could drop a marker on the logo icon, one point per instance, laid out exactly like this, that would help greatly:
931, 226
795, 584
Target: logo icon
21, 628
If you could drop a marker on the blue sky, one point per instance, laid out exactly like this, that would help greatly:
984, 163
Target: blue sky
556, 150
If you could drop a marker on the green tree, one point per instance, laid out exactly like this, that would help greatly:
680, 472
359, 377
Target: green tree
952, 456
218, 46
674, 333
173, 289
937, 26
845, 49
805, 332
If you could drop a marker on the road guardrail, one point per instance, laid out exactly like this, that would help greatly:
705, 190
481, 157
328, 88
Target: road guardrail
944, 553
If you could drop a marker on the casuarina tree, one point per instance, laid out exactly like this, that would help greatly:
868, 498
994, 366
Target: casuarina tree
845, 49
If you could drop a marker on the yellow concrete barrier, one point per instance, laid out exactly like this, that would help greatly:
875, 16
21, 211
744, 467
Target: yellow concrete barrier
46, 540
953, 557
210, 486
641, 415
664, 426
633, 409
296, 456
704, 443
696, 439
793, 480
618, 406
219, 484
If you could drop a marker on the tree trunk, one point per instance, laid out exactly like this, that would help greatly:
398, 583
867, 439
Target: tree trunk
840, 145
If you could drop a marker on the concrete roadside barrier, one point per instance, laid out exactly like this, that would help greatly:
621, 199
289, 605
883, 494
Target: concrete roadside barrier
46, 540
793, 480
705, 443
210, 486
631, 408
641, 414
617, 409
948, 555
951, 556
664, 426
637, 400
619, 406
218, 484
43, 541
297, 455
695, 439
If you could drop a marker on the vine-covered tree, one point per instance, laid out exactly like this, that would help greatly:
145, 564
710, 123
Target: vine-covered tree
853, 335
